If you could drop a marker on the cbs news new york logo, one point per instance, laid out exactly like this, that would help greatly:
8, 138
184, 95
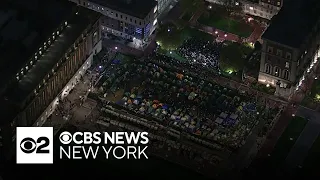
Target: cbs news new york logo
34, 145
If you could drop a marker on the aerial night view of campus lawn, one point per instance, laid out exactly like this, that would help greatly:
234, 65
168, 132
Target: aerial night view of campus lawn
218, 92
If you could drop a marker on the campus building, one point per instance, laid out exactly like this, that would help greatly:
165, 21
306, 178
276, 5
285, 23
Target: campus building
164, 6
260, 8
263, 8
134, 20
41, 64
290, 49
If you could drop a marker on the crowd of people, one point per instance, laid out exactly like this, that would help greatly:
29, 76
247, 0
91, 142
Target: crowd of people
206, 53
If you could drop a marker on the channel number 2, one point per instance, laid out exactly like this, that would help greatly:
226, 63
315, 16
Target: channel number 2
29, 145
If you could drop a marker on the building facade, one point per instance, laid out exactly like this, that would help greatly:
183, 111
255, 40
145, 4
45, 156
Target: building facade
82, 37
124, 19
261, 8
290, 51
264, 8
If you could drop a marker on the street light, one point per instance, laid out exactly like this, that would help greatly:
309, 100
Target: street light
116, 47
216, 32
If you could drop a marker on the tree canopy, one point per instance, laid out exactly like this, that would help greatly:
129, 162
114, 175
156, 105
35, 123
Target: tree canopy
232, 58
169, 37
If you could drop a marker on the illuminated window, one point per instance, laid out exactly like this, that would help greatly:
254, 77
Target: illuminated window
58, 32
66, 23
251, 8
31, 62
155, 22
278, 3
287, 64
276, 71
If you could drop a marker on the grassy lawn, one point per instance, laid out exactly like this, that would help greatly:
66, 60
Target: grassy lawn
168, 44
226, 24
187, 16
189, 32
286, 141
170, 37
235, 61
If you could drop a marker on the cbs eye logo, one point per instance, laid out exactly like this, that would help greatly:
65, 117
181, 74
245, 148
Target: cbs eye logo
29, 145
65, 137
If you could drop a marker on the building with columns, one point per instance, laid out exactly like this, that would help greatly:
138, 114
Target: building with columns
290, 47
42, 63
133, 20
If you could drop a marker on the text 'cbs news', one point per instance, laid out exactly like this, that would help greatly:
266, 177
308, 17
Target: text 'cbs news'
35, 145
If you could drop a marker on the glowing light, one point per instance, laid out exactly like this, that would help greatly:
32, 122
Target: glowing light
210, 7
268, 85
216, 32
116, 47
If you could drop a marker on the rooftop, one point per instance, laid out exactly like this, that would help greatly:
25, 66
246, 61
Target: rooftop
136, 8
294, 22
24, 26
76, 25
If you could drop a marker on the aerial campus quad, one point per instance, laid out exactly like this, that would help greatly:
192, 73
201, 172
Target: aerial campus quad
227, 89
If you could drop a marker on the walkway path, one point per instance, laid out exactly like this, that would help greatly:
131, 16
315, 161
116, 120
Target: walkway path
284, 120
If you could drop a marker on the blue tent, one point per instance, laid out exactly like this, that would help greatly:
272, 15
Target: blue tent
250, 107
115, 61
